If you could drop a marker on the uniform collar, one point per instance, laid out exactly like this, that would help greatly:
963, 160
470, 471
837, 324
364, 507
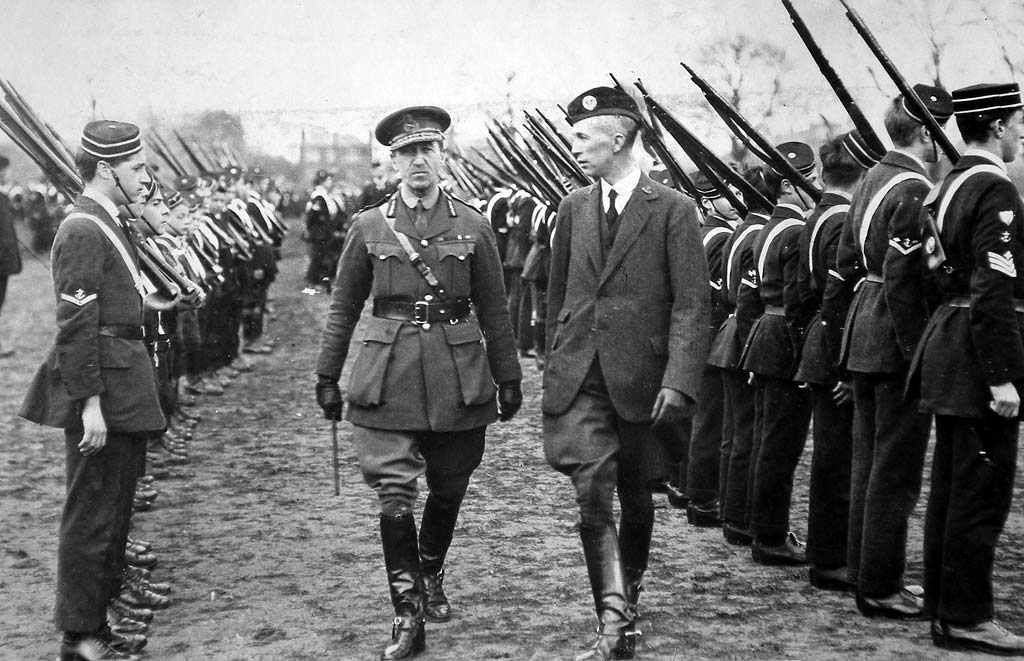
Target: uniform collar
787, 210
988, 156
840, 193
411, 200
104, 201
917, 161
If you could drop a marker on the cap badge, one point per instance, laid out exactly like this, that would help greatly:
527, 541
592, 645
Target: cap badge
791, 154
589, 102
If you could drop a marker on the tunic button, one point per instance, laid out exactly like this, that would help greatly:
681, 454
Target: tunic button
424, 243
382, 257
425, 326
462, 258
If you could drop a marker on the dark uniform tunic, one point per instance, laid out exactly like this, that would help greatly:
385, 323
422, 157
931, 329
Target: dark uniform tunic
885, 322
709, 423
972, 341
741, 289
781, 407
405, 377
99, 350
829, 500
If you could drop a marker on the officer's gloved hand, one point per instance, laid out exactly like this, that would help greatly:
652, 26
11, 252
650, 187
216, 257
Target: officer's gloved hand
328, 397
510, 398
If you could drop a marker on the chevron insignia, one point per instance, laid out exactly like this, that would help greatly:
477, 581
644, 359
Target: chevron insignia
905, 246
1006, 216
79, 298
1003, 264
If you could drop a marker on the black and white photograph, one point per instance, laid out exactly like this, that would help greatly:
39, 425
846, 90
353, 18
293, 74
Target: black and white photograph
511, 329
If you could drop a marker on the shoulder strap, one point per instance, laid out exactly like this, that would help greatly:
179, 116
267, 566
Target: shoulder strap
119, 245
947, 196
776, 231
414, 257
713, 232
822, 219
876, 201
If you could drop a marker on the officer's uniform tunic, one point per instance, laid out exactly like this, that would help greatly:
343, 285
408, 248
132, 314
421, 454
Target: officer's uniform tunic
412, 383
829, 501
99, 350
972, 341
885, 322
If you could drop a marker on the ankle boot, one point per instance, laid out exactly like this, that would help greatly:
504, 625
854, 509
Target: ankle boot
436, 531
608, 584
405, 581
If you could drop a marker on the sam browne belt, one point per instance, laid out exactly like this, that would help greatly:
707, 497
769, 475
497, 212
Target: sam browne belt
423, 312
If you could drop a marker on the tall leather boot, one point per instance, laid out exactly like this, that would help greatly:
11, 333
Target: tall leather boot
608, 583
436, 531
402, 560
635, 547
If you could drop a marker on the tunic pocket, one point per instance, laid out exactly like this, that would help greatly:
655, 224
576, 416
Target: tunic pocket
467, 344
455, 259
366, 383
386, 258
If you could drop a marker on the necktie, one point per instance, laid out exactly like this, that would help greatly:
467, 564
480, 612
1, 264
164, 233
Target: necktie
421, 219
611, 219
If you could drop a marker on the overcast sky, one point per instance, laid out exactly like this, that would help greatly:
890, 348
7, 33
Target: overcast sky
169, 57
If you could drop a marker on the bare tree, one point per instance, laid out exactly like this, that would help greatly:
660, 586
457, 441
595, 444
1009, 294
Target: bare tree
749, 73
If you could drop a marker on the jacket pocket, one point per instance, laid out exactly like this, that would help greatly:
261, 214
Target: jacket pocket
563, 318
115, 352
467, 345
454, 258
387, 257
366, 383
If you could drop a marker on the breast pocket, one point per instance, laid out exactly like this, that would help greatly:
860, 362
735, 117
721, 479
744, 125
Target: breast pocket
387, 259
366, 383
467, 346
456, 262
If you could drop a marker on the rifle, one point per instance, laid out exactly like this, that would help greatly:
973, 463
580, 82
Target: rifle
874, 143
720, 174
909, 95
751, 137
200, 167
679, 176
167, 150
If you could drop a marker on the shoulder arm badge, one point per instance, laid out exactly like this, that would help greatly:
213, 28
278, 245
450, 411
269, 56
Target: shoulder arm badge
79, 298
1006, 216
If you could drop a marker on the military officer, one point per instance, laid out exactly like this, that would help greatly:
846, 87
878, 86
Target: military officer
969, 370
709, 423
843, 162
97, 384
422, 390
882, 238
726, 350
627, 339
781, 408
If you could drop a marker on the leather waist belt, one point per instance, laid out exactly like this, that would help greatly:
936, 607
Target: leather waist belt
873, 277
422, 312
122, 331
775, 310
965, 302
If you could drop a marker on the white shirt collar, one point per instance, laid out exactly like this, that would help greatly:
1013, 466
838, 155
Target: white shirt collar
841, 193
981, 153
104, 201
924, 168
623, 189
792, 207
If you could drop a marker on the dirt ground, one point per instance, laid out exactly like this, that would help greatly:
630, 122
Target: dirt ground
267, 563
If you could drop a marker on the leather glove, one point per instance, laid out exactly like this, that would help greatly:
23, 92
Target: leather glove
328, 397
510, 398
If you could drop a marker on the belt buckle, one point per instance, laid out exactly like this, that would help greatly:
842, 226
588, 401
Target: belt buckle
419, 313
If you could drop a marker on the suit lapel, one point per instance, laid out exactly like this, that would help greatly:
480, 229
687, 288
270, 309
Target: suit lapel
588, 226
634, 217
